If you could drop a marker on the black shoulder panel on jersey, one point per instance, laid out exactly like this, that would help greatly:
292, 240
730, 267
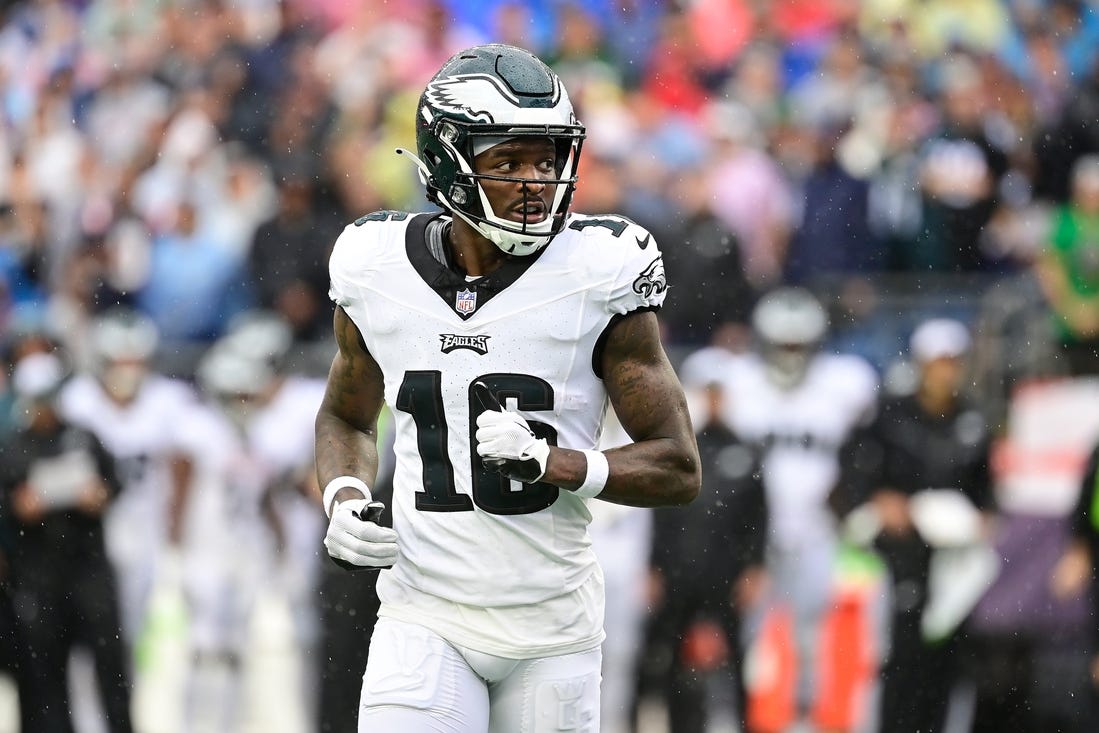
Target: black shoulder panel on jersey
601, 342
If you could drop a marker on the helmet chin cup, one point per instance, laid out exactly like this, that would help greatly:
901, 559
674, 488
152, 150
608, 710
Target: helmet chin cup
508, 242
514, 244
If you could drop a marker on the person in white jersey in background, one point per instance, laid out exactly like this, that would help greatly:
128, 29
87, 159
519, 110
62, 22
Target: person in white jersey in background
252, 531
279, 430
132, 409
800, 404
227, 548
498, 331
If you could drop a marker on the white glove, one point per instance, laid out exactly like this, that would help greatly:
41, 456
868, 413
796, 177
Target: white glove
506, 444
357, 542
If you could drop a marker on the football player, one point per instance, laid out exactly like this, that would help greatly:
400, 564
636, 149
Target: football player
226, 550
132, 409
799, 404
498, 331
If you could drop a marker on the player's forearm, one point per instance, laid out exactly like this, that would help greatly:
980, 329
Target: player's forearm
344, 450
649, 473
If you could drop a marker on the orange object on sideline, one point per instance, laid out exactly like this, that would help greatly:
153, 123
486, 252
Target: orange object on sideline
846, 665
771, 674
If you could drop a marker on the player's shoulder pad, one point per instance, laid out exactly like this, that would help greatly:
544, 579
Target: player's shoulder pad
609, 227
629, 255
358, 246
850, 375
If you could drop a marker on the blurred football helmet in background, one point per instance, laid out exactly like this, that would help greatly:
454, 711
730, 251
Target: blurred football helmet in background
262, 334
122, 343
789, 324
235, 381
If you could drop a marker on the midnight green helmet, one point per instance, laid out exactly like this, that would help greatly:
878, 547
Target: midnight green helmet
481, 96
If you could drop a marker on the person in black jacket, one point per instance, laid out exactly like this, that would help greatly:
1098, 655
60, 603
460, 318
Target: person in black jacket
707, 560
932, 438
55, 482
1076, 571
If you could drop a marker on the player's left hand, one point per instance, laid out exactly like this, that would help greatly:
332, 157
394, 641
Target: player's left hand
506, 443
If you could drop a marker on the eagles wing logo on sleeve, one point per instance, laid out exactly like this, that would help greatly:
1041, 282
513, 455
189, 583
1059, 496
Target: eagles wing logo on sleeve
651, 281
473, 95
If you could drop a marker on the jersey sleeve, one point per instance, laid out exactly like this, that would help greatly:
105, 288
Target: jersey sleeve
640, 282
340, 268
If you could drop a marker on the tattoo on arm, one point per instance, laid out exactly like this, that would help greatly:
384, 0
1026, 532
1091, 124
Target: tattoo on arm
661, 466
346, 425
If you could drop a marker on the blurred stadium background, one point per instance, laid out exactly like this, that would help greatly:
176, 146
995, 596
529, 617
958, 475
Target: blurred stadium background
901, 158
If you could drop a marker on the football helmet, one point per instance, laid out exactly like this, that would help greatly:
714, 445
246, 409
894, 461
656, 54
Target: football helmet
122, 342
480, 97
789, 323
226, 373
233, 381
263, 334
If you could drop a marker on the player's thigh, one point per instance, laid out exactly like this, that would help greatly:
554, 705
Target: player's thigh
418, 683
549, 695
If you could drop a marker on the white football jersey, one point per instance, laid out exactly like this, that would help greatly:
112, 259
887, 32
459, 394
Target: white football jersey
281, 432
281, 437
223, 508
802, 430
140, 435
477, 550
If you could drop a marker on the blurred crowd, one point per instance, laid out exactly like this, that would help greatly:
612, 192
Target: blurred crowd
172, 177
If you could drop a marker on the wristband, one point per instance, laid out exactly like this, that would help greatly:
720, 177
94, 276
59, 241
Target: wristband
342, 482
596, 477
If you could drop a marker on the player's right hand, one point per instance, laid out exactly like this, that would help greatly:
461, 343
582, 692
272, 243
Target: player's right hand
356, 541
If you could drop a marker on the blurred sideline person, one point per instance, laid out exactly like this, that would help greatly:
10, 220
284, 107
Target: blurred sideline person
919, 446
278, 423
132, 410
226, 547
799, 405
498, 331
57, 480
252, 521
622, 539
707, 563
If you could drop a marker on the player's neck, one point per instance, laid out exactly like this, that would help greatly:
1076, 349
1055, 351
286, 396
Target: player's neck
470, 252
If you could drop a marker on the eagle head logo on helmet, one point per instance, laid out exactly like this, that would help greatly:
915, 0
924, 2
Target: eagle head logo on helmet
488, 93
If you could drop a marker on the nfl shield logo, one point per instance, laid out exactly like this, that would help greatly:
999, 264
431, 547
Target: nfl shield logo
465, 301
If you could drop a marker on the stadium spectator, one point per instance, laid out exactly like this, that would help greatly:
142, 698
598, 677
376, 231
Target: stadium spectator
287, 266
1068, 271
960, 168
194, 282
